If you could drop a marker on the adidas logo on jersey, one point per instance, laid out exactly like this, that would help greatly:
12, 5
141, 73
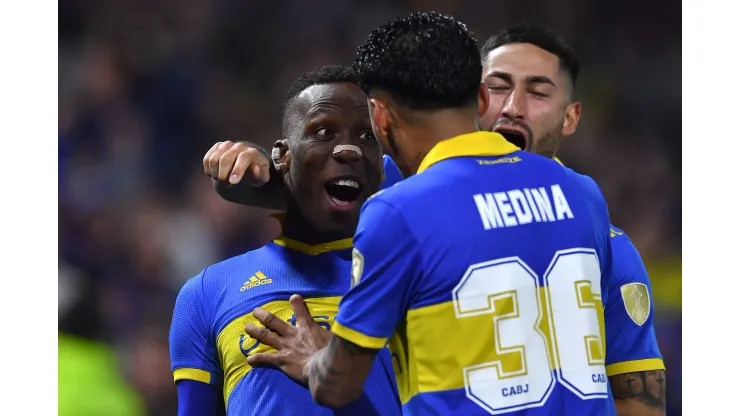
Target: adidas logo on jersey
258, 279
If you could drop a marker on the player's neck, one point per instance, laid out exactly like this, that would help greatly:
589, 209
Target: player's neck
296, 227
437, 127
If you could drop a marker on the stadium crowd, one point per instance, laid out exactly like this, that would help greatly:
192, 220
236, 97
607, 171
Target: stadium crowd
145, 88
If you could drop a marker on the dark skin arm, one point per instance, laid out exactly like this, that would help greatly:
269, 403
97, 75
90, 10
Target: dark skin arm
336, 375
270, 195
225, 158
639, 394
332, 368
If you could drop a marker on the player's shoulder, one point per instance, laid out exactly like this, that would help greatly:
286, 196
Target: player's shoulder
586, 182
403, 195
213, 279
627, 265
621, 244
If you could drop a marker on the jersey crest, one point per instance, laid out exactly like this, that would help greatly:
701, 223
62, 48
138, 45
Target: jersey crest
358, 263
636, 301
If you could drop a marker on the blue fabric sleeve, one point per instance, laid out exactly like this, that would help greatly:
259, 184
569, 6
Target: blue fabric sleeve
385, 263
631, 345
198, 399
193, 355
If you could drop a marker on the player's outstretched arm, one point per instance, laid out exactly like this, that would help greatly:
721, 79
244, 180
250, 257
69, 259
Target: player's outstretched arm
243, 174
639, 394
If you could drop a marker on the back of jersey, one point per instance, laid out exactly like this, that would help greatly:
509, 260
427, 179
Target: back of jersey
507, 310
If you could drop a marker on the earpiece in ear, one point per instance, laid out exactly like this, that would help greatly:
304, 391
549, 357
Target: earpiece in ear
276, 158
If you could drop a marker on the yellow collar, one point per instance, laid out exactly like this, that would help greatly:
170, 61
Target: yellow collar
480, 143
558, 160
313, 249
308, 248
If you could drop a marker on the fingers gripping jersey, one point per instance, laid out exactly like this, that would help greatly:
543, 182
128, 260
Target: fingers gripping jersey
492, 284
208, 343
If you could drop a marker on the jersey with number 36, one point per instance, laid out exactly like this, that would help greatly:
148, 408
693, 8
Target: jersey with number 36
484, 272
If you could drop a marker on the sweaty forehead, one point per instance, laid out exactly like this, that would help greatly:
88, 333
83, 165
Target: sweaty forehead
521, 60
330, 98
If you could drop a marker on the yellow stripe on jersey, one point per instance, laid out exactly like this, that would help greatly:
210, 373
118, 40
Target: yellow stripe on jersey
234, 345
313, 249
439, 345
635, 366
358, 338
308, 248
194, 374
480, 143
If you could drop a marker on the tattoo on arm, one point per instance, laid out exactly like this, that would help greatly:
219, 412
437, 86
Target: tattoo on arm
334, 362
647, 387
341, 366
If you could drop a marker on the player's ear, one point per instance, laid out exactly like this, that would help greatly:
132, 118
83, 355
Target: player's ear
281, 156
379, 116
484, 99
572, 116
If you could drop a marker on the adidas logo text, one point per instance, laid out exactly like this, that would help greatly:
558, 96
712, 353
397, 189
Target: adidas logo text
258, 279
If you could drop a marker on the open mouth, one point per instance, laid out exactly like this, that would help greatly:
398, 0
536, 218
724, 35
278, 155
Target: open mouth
514, 137
343, 193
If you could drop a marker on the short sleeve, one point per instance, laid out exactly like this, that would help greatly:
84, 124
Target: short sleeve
385, 263
391, 172
193, 355
631, 345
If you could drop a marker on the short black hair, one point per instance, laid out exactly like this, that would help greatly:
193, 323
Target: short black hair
424, 60
325, 74
540, 37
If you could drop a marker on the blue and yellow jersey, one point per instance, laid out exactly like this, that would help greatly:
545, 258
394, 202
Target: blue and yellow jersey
391, 174
631, 344
491, 292
208, 343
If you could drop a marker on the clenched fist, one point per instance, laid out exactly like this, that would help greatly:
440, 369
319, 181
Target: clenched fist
231, 163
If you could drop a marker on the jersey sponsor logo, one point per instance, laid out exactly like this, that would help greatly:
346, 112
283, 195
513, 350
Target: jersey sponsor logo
258, 279
358, 264
636, 301
248, 344
514, 159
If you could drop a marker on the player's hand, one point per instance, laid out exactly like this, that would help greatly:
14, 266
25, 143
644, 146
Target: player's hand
296, 345
231, 163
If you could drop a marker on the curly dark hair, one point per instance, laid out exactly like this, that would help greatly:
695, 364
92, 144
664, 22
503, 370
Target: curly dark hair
425, 61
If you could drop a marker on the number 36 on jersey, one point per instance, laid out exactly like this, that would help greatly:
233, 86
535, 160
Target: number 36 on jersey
546, 330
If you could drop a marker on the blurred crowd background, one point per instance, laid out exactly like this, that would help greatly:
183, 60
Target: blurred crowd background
147, 86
